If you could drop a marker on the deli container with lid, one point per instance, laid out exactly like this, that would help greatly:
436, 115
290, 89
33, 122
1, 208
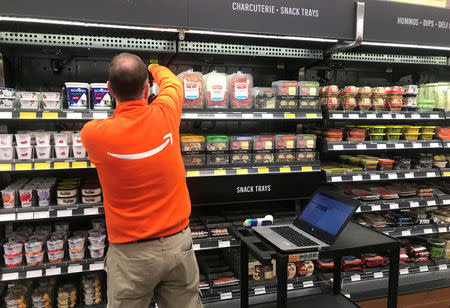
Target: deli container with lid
194, 160
379, 103
285, 142
264, 98
285, 157
77, 95
330, 103
331, 90
365, 91
217, 143
349, 103
217, 159
24, 153
377, 137
240, 89
216, 90
351, 91
263, 143
62, 151
308, 88
78, 151
101, 98
241, 143
23, 140
193, 89
364, 103
43, 151
410, 102
386, 164
241, 158
369, 164
192, 143
402, 163
306, 142
428, 129
412, 129
394, 136
263, 158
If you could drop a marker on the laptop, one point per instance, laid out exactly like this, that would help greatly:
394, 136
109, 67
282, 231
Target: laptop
317, 226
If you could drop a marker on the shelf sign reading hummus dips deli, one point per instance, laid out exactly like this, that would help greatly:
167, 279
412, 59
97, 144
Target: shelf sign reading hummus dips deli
408, 22
307, 18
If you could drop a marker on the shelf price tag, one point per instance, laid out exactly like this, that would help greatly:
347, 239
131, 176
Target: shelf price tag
41, 215
74, 115
392, 176
6, 115
428, 231
414, 204
404, 271
307, 168
10, 276
358, 210
196, 247
285, 169
224, 244
357, 178
434, 116
49, 115
41, 166
446, 201
290, 286
336, 179
311, 115
288, 115
5, 167
259, 291
23, 166
409, 175
423, 268
241, 171
267, 115
355, 277
263, 170
374, 177
431, 174
387, 116
371, 116
406, 233
308, 284
76, 268
226, 295
400, 116
8, 217
192, 173
376, 207
443, 267
381, 146
91, 211
393, 206
415, 116
337, 116
79, 164
61, 165
53, 271
100, 115
220, 115
442, 229
64, 213
27, 115
377, 275
399, 145
220, 172
338, 147
96, 266
361, 147
34, 274
434, 145
446, 173
417, 145
431, 202
25, 216
353, 116
247, 115
190, 115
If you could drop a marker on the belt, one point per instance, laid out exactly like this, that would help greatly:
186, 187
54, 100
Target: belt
155, 238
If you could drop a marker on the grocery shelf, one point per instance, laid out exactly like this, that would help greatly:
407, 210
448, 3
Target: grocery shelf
339, 115
252, 115
416, 230
51, 269
446, 144
386, 175
52, 211
55, 115
402, 203
45, 164
389, 58
381, 145
214, 243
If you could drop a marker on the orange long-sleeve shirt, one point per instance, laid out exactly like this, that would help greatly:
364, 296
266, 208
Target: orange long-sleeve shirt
139, 164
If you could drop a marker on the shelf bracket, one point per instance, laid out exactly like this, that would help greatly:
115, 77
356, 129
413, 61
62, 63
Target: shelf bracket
2, 71
359, 32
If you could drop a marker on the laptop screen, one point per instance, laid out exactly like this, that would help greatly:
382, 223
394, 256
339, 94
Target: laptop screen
326, 213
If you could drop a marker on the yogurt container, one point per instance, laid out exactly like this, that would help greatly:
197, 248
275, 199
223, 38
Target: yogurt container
51, 96
6, 153
55, 245
51, 105
97, 240
24, 153
43, 195
62, 151
91, 189
76, 138
98, 224
42, 138
91, 199
35, 259
23, 140
12, 249
101, 99
55, 256
76, 243
13, 261
6, 103
77, 95
97, 252
76, 255
6, 140
33, 247
61, 138
7, 93
29, 104
26, 197
78, 151
43, 152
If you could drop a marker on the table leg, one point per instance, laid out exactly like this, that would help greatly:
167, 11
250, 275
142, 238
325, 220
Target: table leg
282, 262
337, 275
244, 275
394, 267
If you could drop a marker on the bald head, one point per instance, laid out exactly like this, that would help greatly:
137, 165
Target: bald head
128, 78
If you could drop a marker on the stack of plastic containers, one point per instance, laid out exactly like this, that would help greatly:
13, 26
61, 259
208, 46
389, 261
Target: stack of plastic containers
348, 97
7, 97
410, 97
329, 97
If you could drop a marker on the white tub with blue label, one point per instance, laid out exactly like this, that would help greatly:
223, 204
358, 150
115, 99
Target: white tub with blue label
101, 99
77, 95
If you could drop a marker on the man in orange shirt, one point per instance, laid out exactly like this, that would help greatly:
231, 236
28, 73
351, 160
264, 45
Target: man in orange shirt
147, 206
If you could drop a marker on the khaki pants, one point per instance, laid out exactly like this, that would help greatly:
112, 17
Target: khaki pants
165, 269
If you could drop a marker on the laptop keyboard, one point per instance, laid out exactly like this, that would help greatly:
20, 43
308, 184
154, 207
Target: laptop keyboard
293, 236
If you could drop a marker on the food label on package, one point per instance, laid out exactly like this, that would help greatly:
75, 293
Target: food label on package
241, 90
217, 93
191, 90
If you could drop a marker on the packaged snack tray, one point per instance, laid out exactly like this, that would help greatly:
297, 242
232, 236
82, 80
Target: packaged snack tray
194, 160
287, 102
286, 88
265, 158
241, 158
309, 103
241, 143
285, 157
285, 142
263, 143
217, 143
217, 159
264, 98
192, 143
193, 89
309, 88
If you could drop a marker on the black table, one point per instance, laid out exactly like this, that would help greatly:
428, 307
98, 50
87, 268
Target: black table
354, 240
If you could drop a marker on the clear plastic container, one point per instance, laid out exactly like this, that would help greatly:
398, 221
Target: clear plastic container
193, 89
194, 160
283, 102
78, 151
76, 243
55, 244
264, 98
241, 90
51, 105
216, 90
285, 142
377, 137
309, 88
97, 252
55, 256
424, 136
97, 240
26, 197
350, 91
192, 143
7, 93
306, 142
263, 143
9, 198
217, 143
412, 129
330, 103
379, 103
33, 247
13, 261
349, 103
364, 103
411, 90
43, 151
286, 88
365, 91
29, 104
42, 138
6, 153
217, 159
62, 151
263, 158
76, 138
331, 90
76, 255
309, 103
61, 138
35, 259
23, 140
241, 158
12, 249
396, 102
6, 140
51, 96
285, 157
241, 143
24, 153
411, 136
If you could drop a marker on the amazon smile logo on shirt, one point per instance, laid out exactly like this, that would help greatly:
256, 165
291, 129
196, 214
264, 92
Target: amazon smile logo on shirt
168, 139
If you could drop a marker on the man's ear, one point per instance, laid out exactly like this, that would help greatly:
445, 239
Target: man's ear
108, 84
146, 90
